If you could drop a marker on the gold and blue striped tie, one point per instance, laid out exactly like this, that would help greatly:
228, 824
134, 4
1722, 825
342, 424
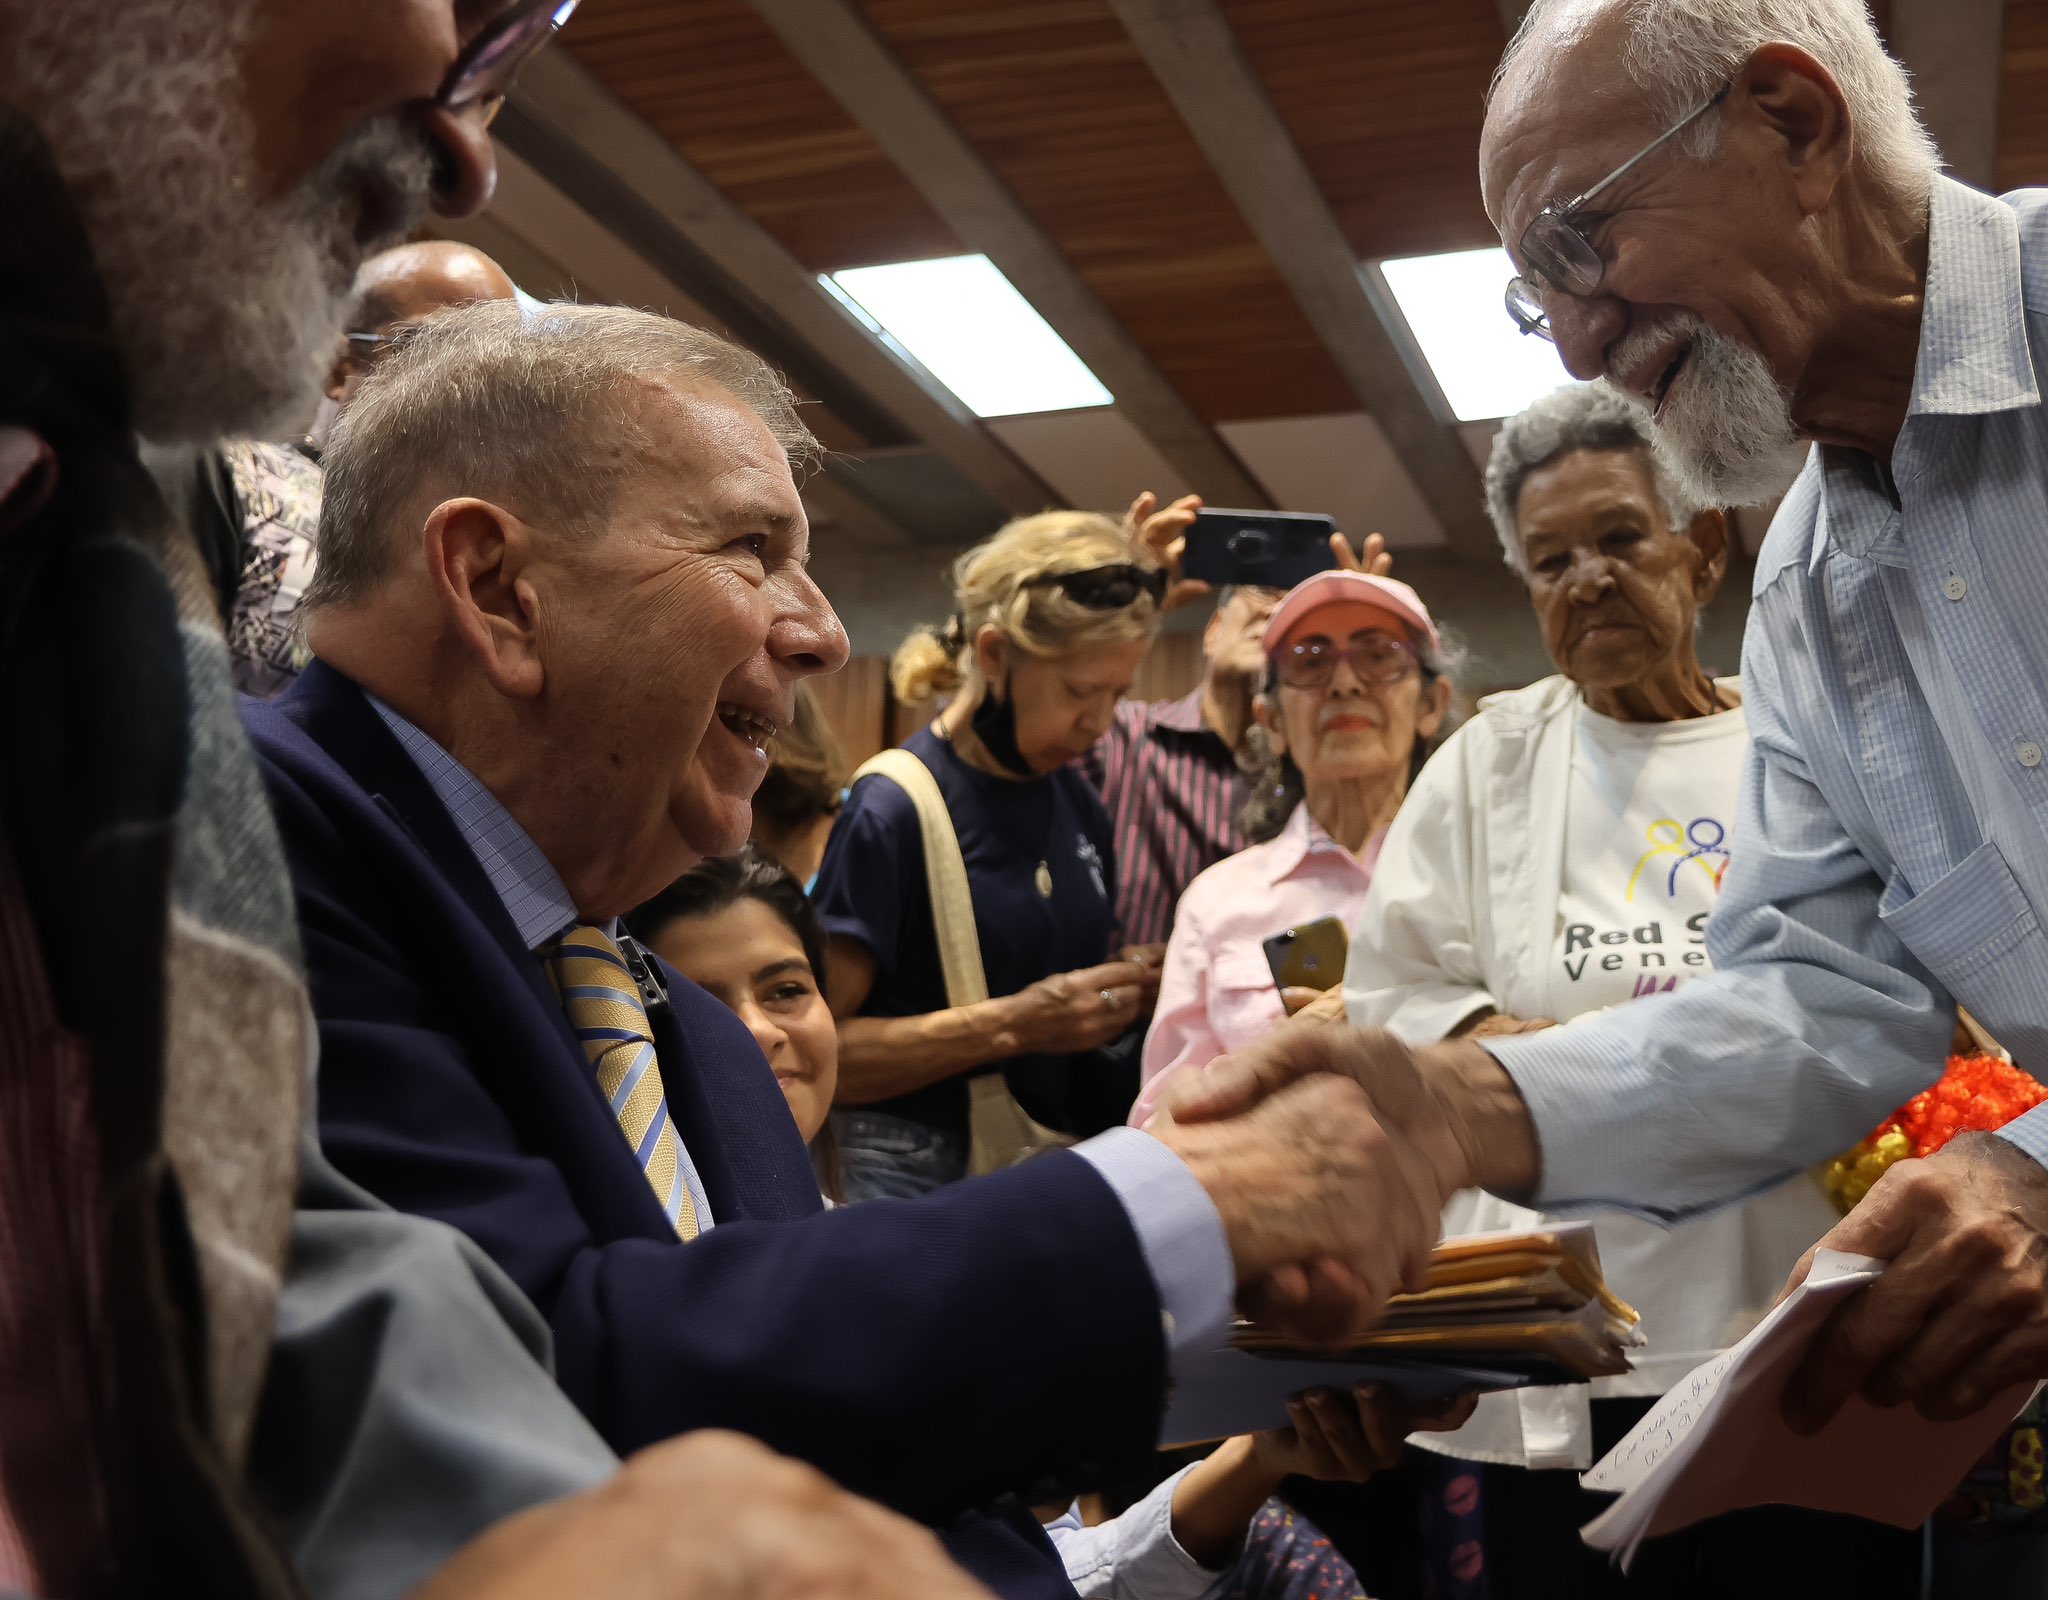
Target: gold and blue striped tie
602, 998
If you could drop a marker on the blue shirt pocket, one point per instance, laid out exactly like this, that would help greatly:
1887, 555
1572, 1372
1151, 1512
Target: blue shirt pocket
1975, 931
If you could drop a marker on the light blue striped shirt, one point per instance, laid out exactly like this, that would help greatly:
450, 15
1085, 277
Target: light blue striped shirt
1179, 1231
1894, 817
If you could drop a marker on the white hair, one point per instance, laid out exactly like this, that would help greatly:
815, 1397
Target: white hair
1580, 416
1680, 51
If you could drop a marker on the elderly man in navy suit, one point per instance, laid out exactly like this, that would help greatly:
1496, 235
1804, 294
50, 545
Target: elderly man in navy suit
561, 608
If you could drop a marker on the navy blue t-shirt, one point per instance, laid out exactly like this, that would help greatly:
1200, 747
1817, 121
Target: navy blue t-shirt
872, 887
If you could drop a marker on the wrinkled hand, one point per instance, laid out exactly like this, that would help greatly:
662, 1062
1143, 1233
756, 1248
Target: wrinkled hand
709, 1516
1164, 531
1340, 1438
1452, 1100
1075, 1011
1961, 1311
1326, 1214
1149, 959
1499, 1025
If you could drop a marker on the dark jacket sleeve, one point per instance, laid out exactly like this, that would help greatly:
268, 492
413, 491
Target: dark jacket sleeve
1003, 1335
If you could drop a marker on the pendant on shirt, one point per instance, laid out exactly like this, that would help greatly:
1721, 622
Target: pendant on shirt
1043, 878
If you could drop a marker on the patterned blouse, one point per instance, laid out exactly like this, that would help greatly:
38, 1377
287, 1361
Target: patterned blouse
280, 489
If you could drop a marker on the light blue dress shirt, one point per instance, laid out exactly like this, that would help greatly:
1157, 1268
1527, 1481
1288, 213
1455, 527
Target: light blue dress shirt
1178, 1229
1894, 817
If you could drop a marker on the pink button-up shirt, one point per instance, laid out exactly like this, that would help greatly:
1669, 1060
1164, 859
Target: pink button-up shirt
1217, 994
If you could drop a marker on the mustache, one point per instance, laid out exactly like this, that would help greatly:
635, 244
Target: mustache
383, 171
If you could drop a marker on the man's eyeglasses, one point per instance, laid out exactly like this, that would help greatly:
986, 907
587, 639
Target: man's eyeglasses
1375, 657
482, 75
1107, 588
1557, 250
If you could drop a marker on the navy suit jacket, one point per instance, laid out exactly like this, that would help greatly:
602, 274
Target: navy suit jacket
991, 1346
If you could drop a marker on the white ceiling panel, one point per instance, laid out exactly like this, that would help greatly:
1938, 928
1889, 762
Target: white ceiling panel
1096, 459
1341, 465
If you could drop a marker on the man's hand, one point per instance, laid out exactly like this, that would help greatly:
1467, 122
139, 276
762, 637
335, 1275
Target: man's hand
1327, 1216
709, 1516
1961, 1311
1499, 1025
1453, 1095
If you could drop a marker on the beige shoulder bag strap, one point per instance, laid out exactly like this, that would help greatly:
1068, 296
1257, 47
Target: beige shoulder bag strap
1000, 1132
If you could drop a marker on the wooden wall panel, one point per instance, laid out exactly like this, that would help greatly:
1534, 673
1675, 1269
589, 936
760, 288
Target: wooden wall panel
855, 705
1171, 667
1055, 96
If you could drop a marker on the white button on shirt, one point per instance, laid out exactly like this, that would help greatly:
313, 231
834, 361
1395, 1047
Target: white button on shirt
1954, 587
2029, 753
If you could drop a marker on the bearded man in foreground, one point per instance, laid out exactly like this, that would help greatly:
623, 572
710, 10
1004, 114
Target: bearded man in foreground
223, 1370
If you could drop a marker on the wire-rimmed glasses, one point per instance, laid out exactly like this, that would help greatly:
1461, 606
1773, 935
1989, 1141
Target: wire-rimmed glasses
1558, 252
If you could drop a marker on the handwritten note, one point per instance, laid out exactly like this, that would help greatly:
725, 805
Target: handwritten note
1717, 1441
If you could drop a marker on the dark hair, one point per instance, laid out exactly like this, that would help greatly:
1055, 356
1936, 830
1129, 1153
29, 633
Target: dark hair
1276, 783
718, 885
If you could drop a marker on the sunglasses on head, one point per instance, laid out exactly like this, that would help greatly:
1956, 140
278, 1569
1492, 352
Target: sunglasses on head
1108, 588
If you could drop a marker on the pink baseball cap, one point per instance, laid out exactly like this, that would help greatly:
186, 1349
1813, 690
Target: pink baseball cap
1359, 591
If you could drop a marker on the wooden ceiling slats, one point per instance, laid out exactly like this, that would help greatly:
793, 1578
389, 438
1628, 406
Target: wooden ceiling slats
713, 79
2023, 97
1057, 99
1385, 104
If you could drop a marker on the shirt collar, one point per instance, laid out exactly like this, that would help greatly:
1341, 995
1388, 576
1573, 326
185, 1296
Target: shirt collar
1860, 517
1303, 837
1973, 360
527, 884
1974, 357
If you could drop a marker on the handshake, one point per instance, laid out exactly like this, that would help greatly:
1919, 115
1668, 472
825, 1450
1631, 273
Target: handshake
1329, 1152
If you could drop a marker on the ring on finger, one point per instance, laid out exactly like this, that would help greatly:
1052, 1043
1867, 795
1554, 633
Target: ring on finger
1109, 1000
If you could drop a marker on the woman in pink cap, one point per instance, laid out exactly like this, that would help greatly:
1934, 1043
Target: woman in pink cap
1356, 692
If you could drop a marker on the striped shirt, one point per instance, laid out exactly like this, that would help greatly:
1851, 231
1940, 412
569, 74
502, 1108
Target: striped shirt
1173, 791
1894, 813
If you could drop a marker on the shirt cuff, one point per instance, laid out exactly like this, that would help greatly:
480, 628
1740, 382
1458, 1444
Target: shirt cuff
1179, 1232
2029, 1134
1135, 1556
1585, 1096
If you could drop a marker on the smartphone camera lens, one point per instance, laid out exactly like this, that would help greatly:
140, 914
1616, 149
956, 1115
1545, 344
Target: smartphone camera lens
1251, 546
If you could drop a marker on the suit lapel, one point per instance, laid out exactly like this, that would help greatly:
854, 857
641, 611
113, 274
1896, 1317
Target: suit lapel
337, 716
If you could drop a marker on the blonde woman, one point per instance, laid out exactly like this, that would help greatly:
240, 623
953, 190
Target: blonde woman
1052, 616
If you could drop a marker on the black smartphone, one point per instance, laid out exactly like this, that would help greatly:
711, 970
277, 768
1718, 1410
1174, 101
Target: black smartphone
1309, 955
1271, 549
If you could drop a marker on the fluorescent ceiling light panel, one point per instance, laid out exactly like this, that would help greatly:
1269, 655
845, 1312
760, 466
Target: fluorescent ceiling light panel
963, 322
1484, 364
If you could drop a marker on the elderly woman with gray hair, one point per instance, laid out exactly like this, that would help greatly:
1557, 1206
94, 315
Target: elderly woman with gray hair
1560, 856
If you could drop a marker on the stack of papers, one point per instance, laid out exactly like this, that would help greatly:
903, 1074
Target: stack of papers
1500, 1311
1717, 1442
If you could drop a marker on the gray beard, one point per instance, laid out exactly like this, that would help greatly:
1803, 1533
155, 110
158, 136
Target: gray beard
226, 306
1728, 428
